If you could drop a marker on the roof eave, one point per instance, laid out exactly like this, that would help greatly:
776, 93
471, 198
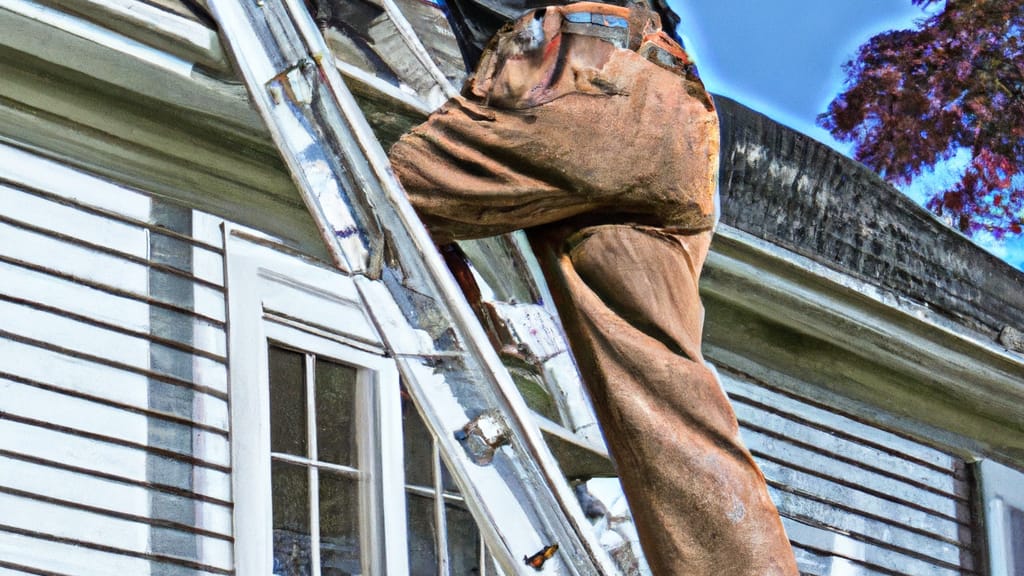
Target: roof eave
783, 317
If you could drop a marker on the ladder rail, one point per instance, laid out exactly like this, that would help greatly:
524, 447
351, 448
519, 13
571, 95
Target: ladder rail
417, 48
344, 177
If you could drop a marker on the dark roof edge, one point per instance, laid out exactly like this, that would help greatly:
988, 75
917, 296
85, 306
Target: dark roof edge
789, 189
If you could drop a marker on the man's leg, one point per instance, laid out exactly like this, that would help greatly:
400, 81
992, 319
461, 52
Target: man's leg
628, 141
629, 302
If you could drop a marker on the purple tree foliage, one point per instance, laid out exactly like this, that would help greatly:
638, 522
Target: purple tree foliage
914, 98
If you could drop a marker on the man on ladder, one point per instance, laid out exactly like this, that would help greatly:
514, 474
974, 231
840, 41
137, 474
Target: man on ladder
587, 125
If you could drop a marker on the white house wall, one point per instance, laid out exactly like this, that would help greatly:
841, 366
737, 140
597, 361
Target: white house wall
855, 499
114, 454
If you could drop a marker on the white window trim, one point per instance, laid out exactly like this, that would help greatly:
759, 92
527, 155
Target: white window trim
1001, 487
256, 276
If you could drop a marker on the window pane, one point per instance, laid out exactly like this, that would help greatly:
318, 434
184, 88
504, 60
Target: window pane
422, 542
1017, 538
463, 540
419, 446
335, 413
447, 482
290, 502
339, 525
287, 402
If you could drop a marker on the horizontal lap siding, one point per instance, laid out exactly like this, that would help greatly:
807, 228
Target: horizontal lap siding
24, 554
114, 453
856, 499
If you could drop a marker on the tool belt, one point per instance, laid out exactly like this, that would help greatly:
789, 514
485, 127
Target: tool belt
640, 31
551, 52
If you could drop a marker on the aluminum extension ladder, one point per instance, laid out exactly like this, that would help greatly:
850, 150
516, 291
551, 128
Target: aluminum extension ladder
511, 482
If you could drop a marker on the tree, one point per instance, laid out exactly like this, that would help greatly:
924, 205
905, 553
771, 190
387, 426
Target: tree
917, 98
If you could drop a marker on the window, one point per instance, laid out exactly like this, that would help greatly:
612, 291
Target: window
433, 501
333, 464
333, 470
315, 423
316, 471
1004, 517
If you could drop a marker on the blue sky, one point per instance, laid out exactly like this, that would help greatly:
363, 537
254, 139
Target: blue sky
784, 57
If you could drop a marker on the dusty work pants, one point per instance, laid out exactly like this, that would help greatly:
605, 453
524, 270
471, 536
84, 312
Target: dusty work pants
609, 162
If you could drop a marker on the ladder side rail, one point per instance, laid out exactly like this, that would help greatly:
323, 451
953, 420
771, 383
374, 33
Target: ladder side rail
346, 181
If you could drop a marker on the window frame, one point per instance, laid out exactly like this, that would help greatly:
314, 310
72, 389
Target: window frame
1001, 490
258, 277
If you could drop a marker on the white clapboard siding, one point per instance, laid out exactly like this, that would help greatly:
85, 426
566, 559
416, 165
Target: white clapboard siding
94, 419
78, 225
21, 555
856, 500
28, 322
834, 466
36, 250
78, 300
29, 171
53, 370
121, 498
821, 552
31, 515
853, 496
67, 450
895, 465
868, 434
114, 429
49, 252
